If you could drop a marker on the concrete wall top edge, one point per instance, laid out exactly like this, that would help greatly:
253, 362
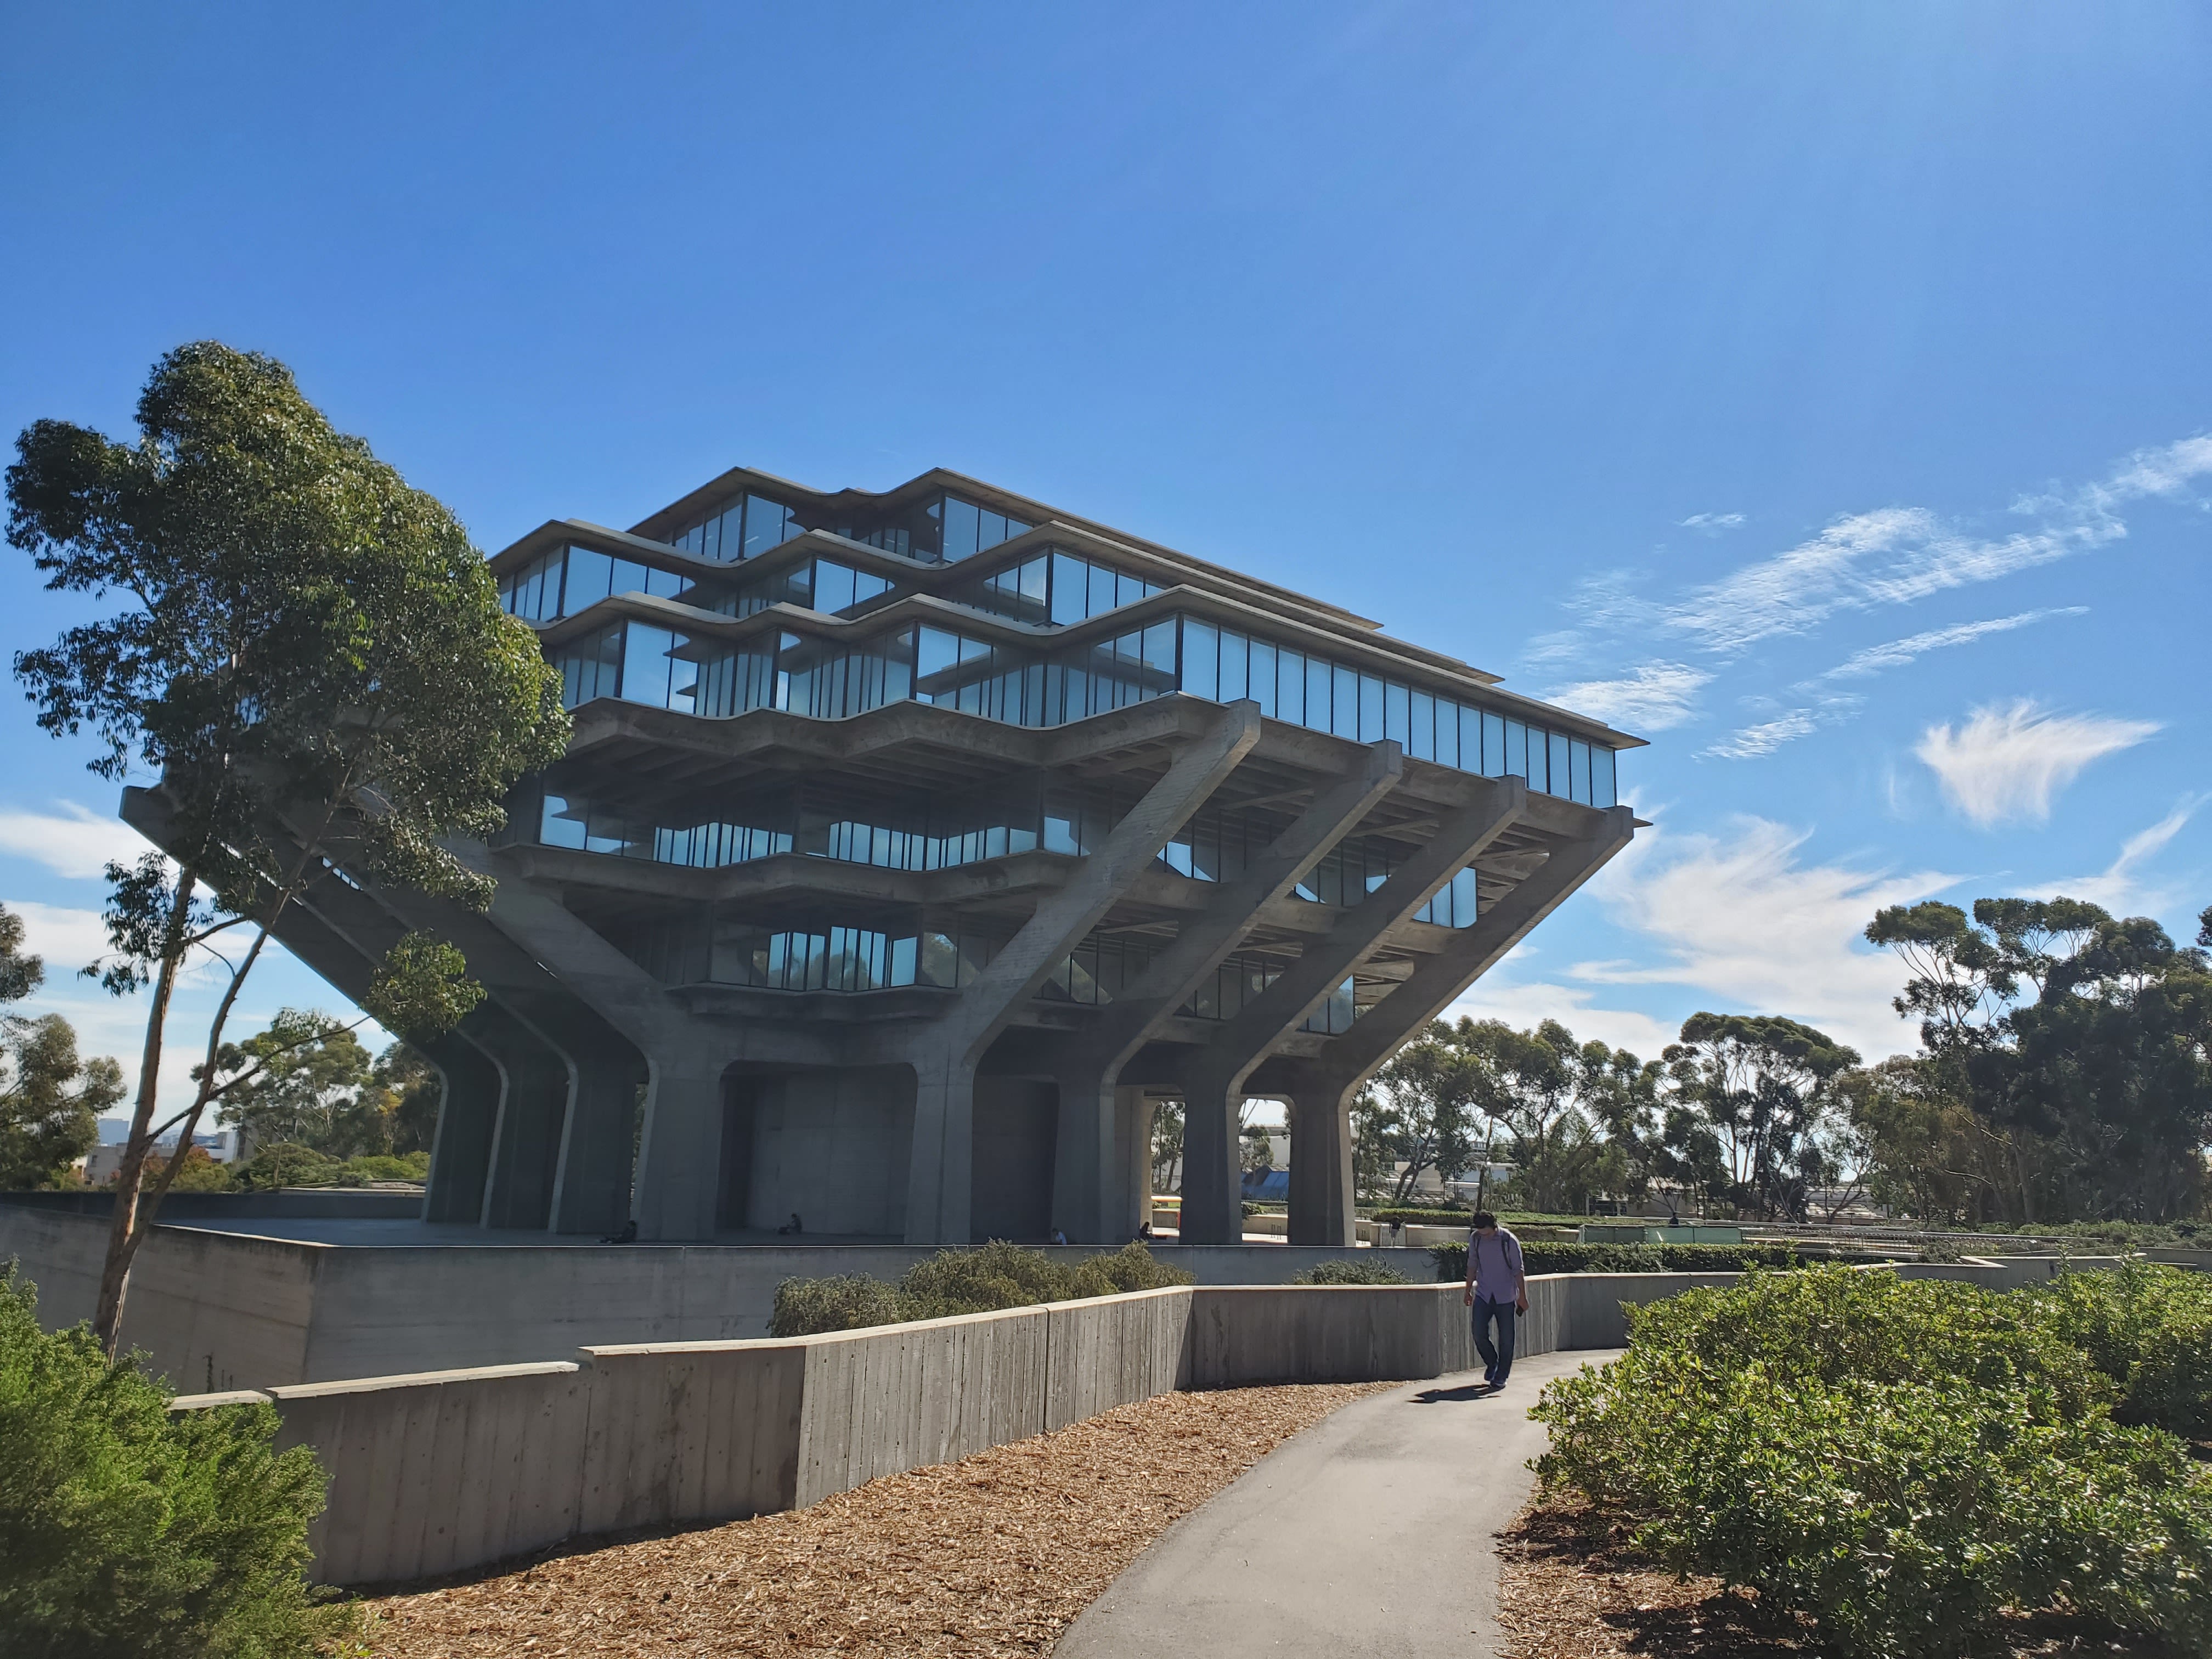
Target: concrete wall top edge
418, 1380
200, 1403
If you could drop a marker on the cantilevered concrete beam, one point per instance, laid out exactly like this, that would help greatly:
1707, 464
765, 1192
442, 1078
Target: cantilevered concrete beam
1214, 1077
501, 1154
1089, 1204
468, 1107
1320, 1089
945, 1055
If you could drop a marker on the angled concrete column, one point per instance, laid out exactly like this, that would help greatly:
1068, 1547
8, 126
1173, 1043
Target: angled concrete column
944, 1057
468, 1116
1214, 1078
1432, 986
1324, 1088
1087, 1203
533, 1099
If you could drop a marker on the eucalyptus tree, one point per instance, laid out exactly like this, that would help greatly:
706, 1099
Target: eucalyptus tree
1430, 1085
308, 655
2078, 1045
50, 1100
1762, 1086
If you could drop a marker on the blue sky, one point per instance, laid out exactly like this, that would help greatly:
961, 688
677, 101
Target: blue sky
1820, 390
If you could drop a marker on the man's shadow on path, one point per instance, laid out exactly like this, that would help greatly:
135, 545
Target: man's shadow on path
1443, 1396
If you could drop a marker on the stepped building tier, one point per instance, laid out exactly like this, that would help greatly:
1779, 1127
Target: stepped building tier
912, 849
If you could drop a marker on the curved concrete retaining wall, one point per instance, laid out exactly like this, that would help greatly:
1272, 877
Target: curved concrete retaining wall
444, 1470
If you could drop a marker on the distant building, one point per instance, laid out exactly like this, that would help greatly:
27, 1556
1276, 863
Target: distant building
104, 1161
910, 846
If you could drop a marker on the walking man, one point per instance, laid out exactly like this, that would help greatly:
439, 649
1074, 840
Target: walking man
1497, 1289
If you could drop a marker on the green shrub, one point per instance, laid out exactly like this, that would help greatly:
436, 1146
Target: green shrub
2149, 1329
1901, 1460
1132, 1267
808, 1307
288, 1163
125, 1531
1541, 1258
386, 1166
1343, 1272
983, 1280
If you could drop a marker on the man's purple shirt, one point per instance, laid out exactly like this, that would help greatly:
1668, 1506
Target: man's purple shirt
1497, 1261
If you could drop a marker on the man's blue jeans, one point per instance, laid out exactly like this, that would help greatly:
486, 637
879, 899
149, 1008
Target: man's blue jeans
1497, 1361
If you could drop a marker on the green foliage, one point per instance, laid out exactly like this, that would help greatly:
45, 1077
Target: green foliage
1350, 1272
199, 1173
422, 988
1417, 1218
1759, 1087
288, 1163
809, 1307
384, 1166
995, 1276
1901, 1461
1540, 1258
127, 1533
2149, 1329
1132, 1267
307, 653
2069, 1064
50, 1100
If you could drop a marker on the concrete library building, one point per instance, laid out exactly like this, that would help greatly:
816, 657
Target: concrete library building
911, 848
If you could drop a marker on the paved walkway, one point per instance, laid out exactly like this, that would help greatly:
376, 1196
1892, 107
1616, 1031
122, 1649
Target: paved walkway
1369, 1533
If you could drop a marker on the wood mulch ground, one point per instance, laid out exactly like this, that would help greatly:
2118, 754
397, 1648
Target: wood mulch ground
993, 1555
1571, 1586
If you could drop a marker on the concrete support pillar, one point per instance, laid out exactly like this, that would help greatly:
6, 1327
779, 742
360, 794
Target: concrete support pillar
941, 1177
1132, 1124
533, 1100
468, 1113
592, 1183
1321, 1167
1213, 1188
1100, 1157
679, 1158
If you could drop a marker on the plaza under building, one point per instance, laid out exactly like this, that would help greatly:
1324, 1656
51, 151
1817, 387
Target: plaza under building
912, 846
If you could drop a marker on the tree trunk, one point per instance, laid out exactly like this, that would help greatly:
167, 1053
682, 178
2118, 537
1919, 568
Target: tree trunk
123, 1230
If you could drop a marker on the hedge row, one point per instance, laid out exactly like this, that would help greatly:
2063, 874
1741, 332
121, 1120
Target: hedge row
1908, 1464
1540, 1258
998, 1275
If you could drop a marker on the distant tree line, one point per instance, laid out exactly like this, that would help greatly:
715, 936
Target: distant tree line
2064, 1074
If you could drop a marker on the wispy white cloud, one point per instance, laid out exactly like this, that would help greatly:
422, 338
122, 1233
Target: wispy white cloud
2004, 764
1711, 523
70, 840
2124, 887
1891, 556
1654, 697
1879, 658
1738, 918
67, 938
2165, 472
1894, 555
1750, 742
